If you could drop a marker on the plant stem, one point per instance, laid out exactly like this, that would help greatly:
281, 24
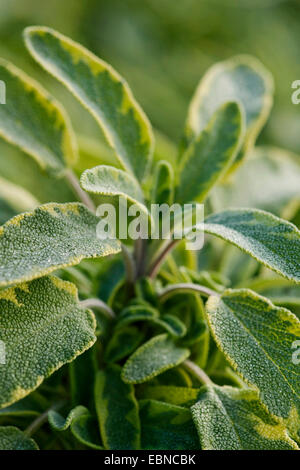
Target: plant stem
156, 264
129, 264
140, 255
197, 372
40, 420
82, 195
100, 305
185, 287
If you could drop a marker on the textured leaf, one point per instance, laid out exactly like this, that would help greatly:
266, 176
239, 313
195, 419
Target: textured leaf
210, 154
242, 79
257, 339
270, 240
59, 423
101, 90
154, 357
35, 122
117, 411
109, 181
167, 427
13, 200
163, 187
52, 237
43, 327
12, 438
231, 419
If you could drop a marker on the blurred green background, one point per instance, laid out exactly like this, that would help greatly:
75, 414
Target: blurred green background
163, 47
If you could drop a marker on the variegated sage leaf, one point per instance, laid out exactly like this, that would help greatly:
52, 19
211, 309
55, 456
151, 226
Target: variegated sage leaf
51, 237
109, 181
43, 327
59, 423
228, 418
272, 241
117, 410
242, 79
154, 357
101, 90
36, 123
210, 154
257, 339
11, 438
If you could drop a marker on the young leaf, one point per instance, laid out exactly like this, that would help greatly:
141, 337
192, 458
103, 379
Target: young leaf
109, 181
270, 240
51, 237
242, 79
117, 410
167, 427
227, 418
59, 423
163, 187
154, 357
257, 339
210, 154
12, 438
43, 327
101, 90
36, 123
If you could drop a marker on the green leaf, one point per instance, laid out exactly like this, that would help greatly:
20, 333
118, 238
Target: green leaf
51, 237
43, 327
123, 342
167, 427
242, 79
82, 373
108, 181
257, 339
210, 154
13, 200
36, 123
227, 418
163, 187
180, 396
59, 423
268, 239
101, 90
154, 357
12, 438
82, 425
117, 410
